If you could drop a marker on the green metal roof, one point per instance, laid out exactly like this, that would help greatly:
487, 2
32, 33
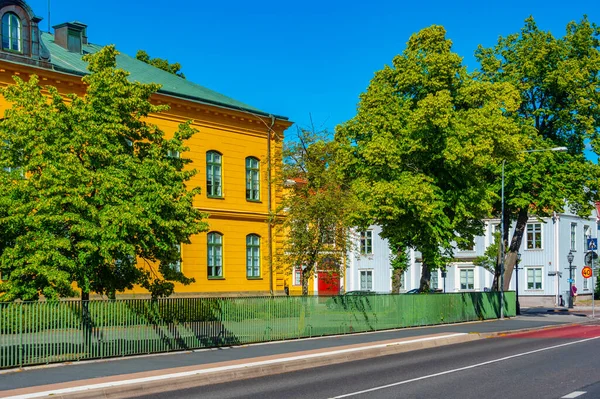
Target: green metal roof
66, 61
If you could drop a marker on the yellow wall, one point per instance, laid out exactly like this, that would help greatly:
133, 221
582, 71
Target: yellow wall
236, 135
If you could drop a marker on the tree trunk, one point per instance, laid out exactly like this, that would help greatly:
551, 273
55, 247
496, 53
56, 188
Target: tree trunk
305, 282
397, 281
86, 320
511, 257
425, 277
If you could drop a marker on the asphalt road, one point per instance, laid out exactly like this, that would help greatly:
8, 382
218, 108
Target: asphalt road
557, 363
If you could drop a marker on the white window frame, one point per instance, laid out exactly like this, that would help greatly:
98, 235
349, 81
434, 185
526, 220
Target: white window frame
534, 232
360, 283
297, 278
366, 242
573, 237
8, 19
437, 280
541, 275
466, 270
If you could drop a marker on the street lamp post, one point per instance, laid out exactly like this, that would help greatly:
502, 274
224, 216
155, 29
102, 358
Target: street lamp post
502, 254
570, 258
518, 307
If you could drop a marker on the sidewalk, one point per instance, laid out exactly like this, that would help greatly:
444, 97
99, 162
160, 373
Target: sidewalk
134, 376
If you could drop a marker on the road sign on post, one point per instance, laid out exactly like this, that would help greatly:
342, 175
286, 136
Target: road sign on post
586, 272
592, 244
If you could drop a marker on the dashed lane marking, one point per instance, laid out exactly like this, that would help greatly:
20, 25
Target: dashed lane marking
574, 394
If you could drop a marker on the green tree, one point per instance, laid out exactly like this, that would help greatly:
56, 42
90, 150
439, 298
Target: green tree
174, 68
317, 209
424, 146
91, 193
559, 85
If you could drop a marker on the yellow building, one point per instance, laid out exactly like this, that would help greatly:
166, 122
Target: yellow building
236, 151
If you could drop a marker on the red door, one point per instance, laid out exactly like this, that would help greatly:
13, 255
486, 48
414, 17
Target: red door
329, 283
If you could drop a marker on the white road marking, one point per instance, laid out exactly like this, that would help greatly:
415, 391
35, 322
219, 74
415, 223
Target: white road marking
461, 369
223, 368
573, 394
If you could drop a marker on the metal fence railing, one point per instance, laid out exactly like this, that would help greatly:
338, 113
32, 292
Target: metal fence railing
47, 332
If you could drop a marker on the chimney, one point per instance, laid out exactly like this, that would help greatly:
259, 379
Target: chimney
71, 36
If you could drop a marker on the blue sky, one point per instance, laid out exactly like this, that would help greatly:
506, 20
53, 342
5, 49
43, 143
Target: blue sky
298, 58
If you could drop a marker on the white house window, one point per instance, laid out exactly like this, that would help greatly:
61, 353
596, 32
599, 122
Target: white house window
534, 236
252, 255
434, 281
467, 279
11, 32
366, 280
585, 284
366, 242
574, 236
534, 278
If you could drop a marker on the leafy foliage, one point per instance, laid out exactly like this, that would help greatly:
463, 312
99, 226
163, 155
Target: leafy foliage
424, 146
89, 191
559, 86
317, 208
174, 68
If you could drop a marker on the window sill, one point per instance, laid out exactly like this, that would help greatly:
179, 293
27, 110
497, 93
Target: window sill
253, 278
534, 249
535, 290
216, 278
215, 197
254, 201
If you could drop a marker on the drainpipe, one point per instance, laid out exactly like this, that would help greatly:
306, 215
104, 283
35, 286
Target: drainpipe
270, 204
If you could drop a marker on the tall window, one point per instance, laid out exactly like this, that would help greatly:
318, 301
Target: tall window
366, 280
213, 174
573, 236
534, 236
215, 255
298, 275
252, 179
11, 32
434, 281
467, 279
534, 278
252, 255
366, 242
585, 284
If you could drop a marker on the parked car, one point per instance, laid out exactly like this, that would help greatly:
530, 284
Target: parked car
419, 291
343, 300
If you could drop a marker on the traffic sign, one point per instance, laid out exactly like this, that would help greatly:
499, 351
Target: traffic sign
586, 272
592, 244
570, 280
